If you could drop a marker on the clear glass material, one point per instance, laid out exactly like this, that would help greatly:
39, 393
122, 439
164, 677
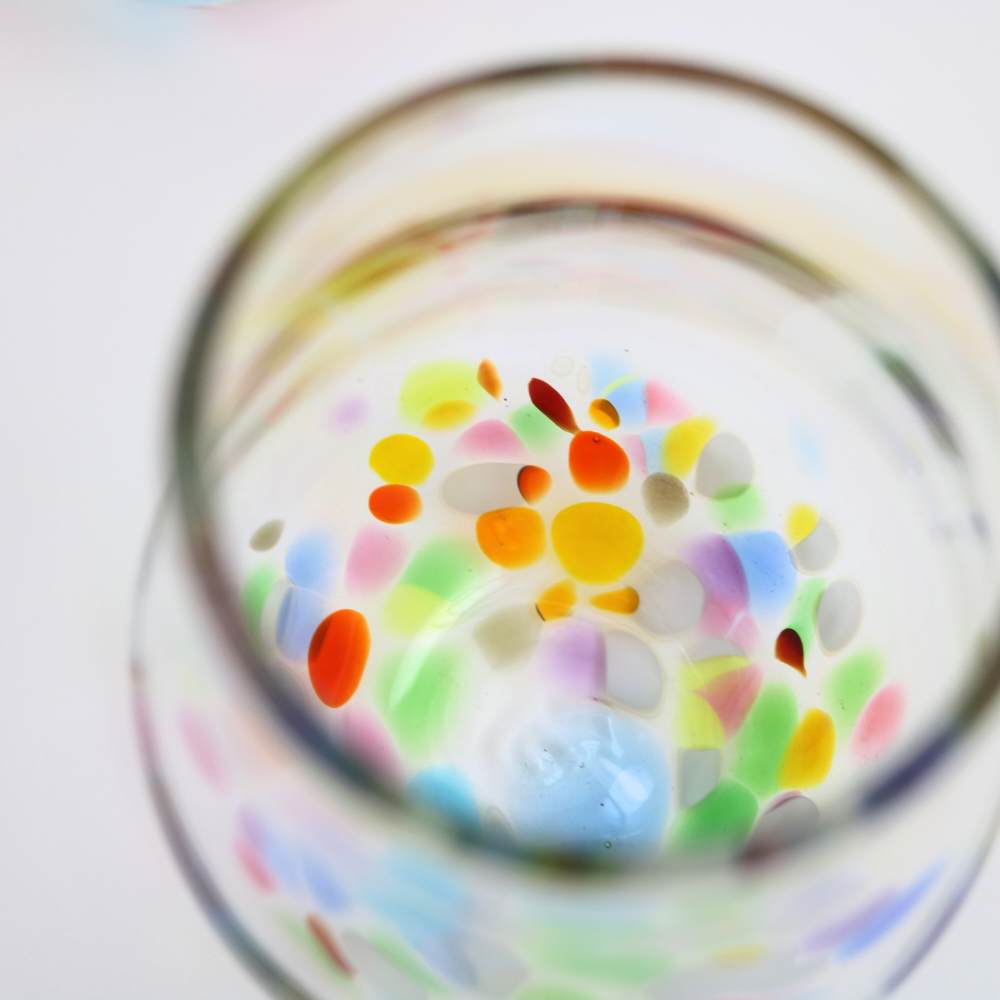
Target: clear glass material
773, 318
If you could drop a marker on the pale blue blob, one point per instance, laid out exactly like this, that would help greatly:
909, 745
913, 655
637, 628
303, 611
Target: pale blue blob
323, 886
588, 781
309, 561
605, 369
652, 441
299, 616
277, 851
629, 399
768, 567
444, 789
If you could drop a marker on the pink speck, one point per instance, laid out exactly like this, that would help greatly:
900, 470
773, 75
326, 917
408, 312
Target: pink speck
574, 658
732, 695
636, 451
252, 864
203, 747
879, 722
377, 555
491, 439
746, 634
349, 414
366, 738
662, 406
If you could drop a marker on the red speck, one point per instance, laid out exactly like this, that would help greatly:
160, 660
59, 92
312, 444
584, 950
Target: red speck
552, 405
788, 649
324, 937
338, 653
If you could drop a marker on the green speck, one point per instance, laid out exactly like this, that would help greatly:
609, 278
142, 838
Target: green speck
848, 687
418, 692
803, 611
444, 566
607, 954
723, 819
737, 513
401, 956
535, 430
258, 585
762, 739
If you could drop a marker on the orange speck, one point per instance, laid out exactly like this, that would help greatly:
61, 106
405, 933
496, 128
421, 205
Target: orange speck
604, 414
395, 504
597, 464
788, 649
622, 602
534, 483
447, 415
512, 537
557, 601
489, 378
338, 653
552, 405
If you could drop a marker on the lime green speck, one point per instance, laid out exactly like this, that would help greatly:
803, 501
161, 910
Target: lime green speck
401, 956
408, 609
444, 566
438, 382
848, 687
418, 693
762, 739
723, 819
535, 430
739, 512
600, 954
258, 585
803, 612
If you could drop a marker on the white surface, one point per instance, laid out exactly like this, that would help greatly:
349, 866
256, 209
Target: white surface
133, 138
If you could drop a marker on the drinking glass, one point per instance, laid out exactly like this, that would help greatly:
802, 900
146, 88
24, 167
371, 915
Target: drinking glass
578, 578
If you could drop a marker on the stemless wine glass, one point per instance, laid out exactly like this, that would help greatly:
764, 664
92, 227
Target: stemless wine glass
579, 580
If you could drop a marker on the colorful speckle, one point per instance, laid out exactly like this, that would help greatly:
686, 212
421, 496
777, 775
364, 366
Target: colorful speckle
557, 601
586, 778
338, 652
596, 542
700, 771
513, 537
740, 513
879, 723
790, 819
549, 401
666, 498
267, 535
376, 557
574, 659
725, 468
604, 414
298, 617
535, 429
818, 550
309, 561
763, 738
801, 520
809, 756
533, 483
445, 790
402, 459
491, 439
349, 414
769, 571
848, 687
435, 384
448, 415
683, 444
489, 378
720, 571
597, 464
722, 820
620, 602
394, 504
628, 398
732, 694
662, 406
325, 939
788, 649
255, 591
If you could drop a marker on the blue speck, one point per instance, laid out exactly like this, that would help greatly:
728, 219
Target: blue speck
323, 886
605, 369
629, 399
768, 567
300, 613
445, 790
309, 561
652, 441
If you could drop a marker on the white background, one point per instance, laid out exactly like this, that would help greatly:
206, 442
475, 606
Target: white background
133, 139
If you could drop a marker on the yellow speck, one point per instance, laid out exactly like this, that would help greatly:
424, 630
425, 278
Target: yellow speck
444, 416
683, 444
621, 602
693, 676
743, 955
802, 519
402, 459
557, 600
810, 752
696, 726
596, 542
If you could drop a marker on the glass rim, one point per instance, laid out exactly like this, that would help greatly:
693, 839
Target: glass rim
928, 749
